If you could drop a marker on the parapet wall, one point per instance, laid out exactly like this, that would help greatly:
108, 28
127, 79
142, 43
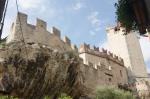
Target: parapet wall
38, 33
116, 29
86, 48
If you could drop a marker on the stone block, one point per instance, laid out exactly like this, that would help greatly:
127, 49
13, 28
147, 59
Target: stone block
56, 32
84, 47
21, 17
115, 56
74, 47
91, 47
110, 54
41, 24
88, 46
104, 51
96, 48
67, 40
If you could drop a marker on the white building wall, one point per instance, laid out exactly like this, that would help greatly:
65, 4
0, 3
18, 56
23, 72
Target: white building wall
136, 56
128, 47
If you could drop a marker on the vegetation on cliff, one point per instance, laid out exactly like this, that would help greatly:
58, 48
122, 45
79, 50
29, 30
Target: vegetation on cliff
7, 97
2, 42
112, 93
62, 96
39, 72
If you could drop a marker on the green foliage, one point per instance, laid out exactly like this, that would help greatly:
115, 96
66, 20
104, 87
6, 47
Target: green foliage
125, 14
64, 96
112, 93
7, 97
71, 54
2, 43
46, 97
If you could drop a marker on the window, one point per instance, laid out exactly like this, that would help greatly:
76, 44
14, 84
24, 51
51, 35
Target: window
121, 73
109, 79
110, 68
123, 30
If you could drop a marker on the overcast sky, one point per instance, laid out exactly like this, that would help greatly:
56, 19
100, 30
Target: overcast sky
81, 20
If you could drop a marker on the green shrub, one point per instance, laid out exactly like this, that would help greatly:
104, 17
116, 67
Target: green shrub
2, 43
62, 96
46, 97
7, 97
112, 93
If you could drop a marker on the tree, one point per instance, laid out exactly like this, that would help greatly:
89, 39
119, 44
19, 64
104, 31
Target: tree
134, 15
125, 14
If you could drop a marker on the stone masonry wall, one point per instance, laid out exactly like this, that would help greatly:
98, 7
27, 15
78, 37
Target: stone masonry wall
109, 68
38, 34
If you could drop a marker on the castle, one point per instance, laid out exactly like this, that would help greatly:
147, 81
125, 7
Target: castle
101, 67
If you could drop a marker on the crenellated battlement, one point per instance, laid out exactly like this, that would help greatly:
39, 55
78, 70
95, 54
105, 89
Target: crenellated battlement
21, 17
41, 24
56, 32
96, 68
67, 40
38, 34
74, 47
85, 48
115, 29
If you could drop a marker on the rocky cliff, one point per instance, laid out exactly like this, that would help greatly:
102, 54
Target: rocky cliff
32, 71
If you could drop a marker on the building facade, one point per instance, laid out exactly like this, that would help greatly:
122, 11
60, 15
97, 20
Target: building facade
128, 47
113, 73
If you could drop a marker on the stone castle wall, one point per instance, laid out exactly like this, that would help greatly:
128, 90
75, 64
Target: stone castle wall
109, 68
38, 34
85, 48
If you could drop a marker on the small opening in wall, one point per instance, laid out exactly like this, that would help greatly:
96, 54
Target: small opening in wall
41, 26
121, 73
123, 30
110, 68
109, 79
115, 29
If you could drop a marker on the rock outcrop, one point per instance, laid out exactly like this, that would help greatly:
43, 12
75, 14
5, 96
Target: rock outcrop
33, 71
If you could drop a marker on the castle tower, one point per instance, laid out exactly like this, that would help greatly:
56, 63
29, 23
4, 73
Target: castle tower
128, 47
